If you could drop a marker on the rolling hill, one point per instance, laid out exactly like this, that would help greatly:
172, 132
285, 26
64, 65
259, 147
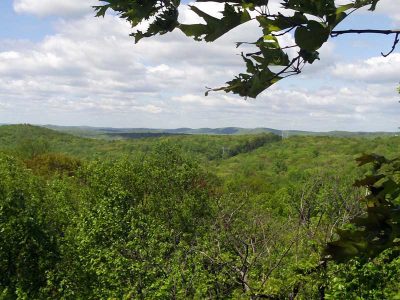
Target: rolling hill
128, 133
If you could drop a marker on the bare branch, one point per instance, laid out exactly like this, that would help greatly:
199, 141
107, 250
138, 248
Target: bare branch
396, 41
336, 33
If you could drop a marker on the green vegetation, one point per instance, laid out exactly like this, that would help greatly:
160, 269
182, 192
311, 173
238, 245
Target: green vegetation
124, 133
29, 141
197, 217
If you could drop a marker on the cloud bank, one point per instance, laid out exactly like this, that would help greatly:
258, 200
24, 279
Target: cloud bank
63, 8
91, 73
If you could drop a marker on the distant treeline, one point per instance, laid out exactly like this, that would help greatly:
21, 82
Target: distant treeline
141, 135
87, 131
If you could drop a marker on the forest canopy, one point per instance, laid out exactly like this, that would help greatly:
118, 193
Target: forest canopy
169, 218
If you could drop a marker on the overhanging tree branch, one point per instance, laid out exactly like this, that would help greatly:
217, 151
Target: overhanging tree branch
336, 33
312, 25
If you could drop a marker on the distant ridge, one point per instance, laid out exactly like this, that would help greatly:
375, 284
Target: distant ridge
124, 133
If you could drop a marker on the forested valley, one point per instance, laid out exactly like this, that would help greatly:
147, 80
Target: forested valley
197, 217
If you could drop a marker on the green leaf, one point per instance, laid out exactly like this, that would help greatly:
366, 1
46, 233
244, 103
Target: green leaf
373, 5
309, 56
371, 158
101, 10
311, 37
318, 8
214, 27
343, 8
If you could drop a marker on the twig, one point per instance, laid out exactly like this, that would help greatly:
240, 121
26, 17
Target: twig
396, 41
277, 264
284, 32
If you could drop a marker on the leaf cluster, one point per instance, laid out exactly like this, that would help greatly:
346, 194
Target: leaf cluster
379, 228
311, 22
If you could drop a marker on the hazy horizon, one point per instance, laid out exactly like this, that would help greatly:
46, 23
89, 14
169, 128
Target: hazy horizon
193, 128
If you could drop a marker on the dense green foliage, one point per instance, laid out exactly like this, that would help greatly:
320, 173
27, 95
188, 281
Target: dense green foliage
185, 217
30, 141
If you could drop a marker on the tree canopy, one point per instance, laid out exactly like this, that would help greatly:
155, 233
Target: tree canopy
310, 22
197, 217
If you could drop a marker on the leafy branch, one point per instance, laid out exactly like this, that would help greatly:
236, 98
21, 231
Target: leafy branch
311, 22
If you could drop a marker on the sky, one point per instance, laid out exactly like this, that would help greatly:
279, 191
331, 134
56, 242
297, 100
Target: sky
61, 65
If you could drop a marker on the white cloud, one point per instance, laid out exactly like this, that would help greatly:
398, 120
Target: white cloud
214, 100
373, 70
63, 8
390, 8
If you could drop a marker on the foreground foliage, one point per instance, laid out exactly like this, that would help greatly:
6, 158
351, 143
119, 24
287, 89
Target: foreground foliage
379, 229
310, 23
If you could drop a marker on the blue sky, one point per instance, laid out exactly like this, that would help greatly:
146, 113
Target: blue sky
60, 65
22, 26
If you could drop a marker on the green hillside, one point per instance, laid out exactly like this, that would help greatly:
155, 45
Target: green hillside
220, 216
124, 133
28, 140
